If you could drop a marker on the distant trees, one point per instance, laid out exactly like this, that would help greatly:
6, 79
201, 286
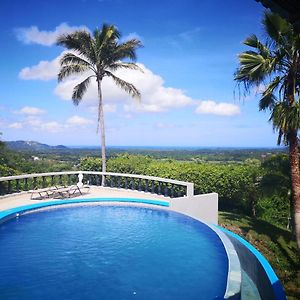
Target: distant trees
273, 66
98, 56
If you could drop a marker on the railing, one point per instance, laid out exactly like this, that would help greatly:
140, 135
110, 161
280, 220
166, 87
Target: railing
156, 185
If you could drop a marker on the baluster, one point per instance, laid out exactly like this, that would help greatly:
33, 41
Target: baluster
139, 185
9, 186
126, 183
159, 188
44, 181
26, 184
146, 185
119, 182
34, 182
69, 179
60, 179
166, 190
132, 184
172, 191
112, 181
18, 185
52, 180
152, 187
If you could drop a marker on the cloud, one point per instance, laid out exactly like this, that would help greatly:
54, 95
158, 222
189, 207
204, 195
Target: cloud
30, 111
16, 125
164, 125
32, 35
189, 35
36, 123
156, 97
44, 70
52, 127
130, 36
220, 109
78, 121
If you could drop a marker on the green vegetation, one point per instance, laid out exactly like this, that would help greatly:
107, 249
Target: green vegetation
274, 67
98, 56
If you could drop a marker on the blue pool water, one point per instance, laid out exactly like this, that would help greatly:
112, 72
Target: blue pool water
110, 253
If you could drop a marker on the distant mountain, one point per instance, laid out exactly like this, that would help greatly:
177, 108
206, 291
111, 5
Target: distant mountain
32, 146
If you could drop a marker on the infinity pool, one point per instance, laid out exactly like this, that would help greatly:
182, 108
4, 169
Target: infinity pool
110, 253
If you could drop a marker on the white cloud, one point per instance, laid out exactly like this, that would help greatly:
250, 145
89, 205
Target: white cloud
155, 96
31, 111
78, 121
214, 108
52, 127
164, 125
130, 36
16, 125
44, 70
33, 35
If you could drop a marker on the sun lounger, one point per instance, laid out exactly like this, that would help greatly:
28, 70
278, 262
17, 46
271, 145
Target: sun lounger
71, 191
43, 193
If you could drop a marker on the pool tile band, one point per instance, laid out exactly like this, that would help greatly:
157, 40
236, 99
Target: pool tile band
234, 277
272, 279
6, 214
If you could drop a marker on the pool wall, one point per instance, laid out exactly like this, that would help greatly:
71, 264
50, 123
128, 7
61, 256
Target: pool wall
257, 268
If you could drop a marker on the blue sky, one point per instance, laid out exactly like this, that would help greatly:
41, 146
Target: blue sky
189, 57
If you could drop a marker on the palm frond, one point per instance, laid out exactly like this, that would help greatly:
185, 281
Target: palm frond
80, 89
122, 65
267, 101
276, 27
127, 49
78, 41
71, 59
69, 70
124, 85
254, 42
285, 118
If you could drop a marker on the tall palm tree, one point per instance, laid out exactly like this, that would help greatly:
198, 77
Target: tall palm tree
98, 56
274, 67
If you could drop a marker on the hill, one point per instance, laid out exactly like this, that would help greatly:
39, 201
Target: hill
32, 146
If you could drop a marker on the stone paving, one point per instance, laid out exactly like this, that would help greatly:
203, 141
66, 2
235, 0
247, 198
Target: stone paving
24, 198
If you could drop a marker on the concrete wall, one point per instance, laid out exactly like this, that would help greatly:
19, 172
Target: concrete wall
201, 207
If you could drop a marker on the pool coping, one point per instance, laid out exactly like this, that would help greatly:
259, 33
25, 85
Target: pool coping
271, 275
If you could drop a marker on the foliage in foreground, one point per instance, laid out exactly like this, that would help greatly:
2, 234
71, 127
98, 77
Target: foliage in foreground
248, 187
274, 243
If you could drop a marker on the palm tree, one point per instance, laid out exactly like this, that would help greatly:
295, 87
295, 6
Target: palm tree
98, 56
274, 67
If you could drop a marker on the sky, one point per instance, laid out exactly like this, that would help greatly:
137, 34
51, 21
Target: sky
189, 57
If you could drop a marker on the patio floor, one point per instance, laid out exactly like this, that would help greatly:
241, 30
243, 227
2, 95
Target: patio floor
15, 200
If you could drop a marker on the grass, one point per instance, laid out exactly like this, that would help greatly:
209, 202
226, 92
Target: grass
274, 243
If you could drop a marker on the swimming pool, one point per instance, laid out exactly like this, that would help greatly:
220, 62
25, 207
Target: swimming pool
110, 252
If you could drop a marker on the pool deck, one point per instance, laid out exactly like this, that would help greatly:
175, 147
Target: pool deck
20, 199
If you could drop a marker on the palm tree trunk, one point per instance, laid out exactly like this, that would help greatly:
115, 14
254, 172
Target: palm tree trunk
295, 178
102, 130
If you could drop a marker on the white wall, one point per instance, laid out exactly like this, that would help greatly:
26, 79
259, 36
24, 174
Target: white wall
201, 207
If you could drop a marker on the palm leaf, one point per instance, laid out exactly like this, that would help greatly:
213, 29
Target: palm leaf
69, 70
124, 85
121, 65
80, 89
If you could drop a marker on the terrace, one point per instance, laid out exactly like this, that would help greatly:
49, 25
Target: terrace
249, 273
